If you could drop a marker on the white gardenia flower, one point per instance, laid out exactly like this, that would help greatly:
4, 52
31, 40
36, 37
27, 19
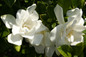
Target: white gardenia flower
26, 24
69, 33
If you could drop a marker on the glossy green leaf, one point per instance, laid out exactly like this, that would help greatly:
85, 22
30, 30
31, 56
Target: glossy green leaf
65, 50
78, 49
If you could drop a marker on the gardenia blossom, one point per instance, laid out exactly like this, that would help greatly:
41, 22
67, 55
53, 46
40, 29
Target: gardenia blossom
27, 25
70, 32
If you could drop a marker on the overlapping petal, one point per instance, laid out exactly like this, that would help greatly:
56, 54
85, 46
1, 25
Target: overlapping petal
8, 20
15, 39
59, 14
33, 14
39, 49
35, 39
49, 51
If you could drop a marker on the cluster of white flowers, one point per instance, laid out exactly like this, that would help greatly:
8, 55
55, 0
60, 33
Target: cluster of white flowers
26, 25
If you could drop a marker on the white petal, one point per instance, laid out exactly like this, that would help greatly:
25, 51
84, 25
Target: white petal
15, 30
32, 12
61, 35
21, 16
35, 39
49, 51
71, 39
59, 14
74, 12
15, 39
46, 39
80, 22
75, 43
56, 33
9, 20
27, 32
31, 8
39, 49
20, 13
40, 27
79, 28
34, 16
78, 36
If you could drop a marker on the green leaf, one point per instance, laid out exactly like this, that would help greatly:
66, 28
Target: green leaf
53, 25
26, 1
10, 2
78, 49
75, 56
17, 48
65, 50
41, 7
82, 54
50, 11
84, 40
0, 5
23, 51
84, 31
4, 31
43, 17
77, 3
65, 4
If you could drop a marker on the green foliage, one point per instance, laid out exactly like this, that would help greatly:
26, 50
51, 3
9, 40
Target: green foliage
78, 50
10, 2
84, 31
65, 50
71, 51
45, 8
65, 4
84, 40
17, 48
78, 3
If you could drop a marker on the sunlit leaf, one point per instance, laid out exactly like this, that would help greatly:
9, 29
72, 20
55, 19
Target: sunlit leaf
17, 48
65, 50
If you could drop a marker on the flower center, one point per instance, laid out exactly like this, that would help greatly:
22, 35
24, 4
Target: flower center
69, 34
28, 24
